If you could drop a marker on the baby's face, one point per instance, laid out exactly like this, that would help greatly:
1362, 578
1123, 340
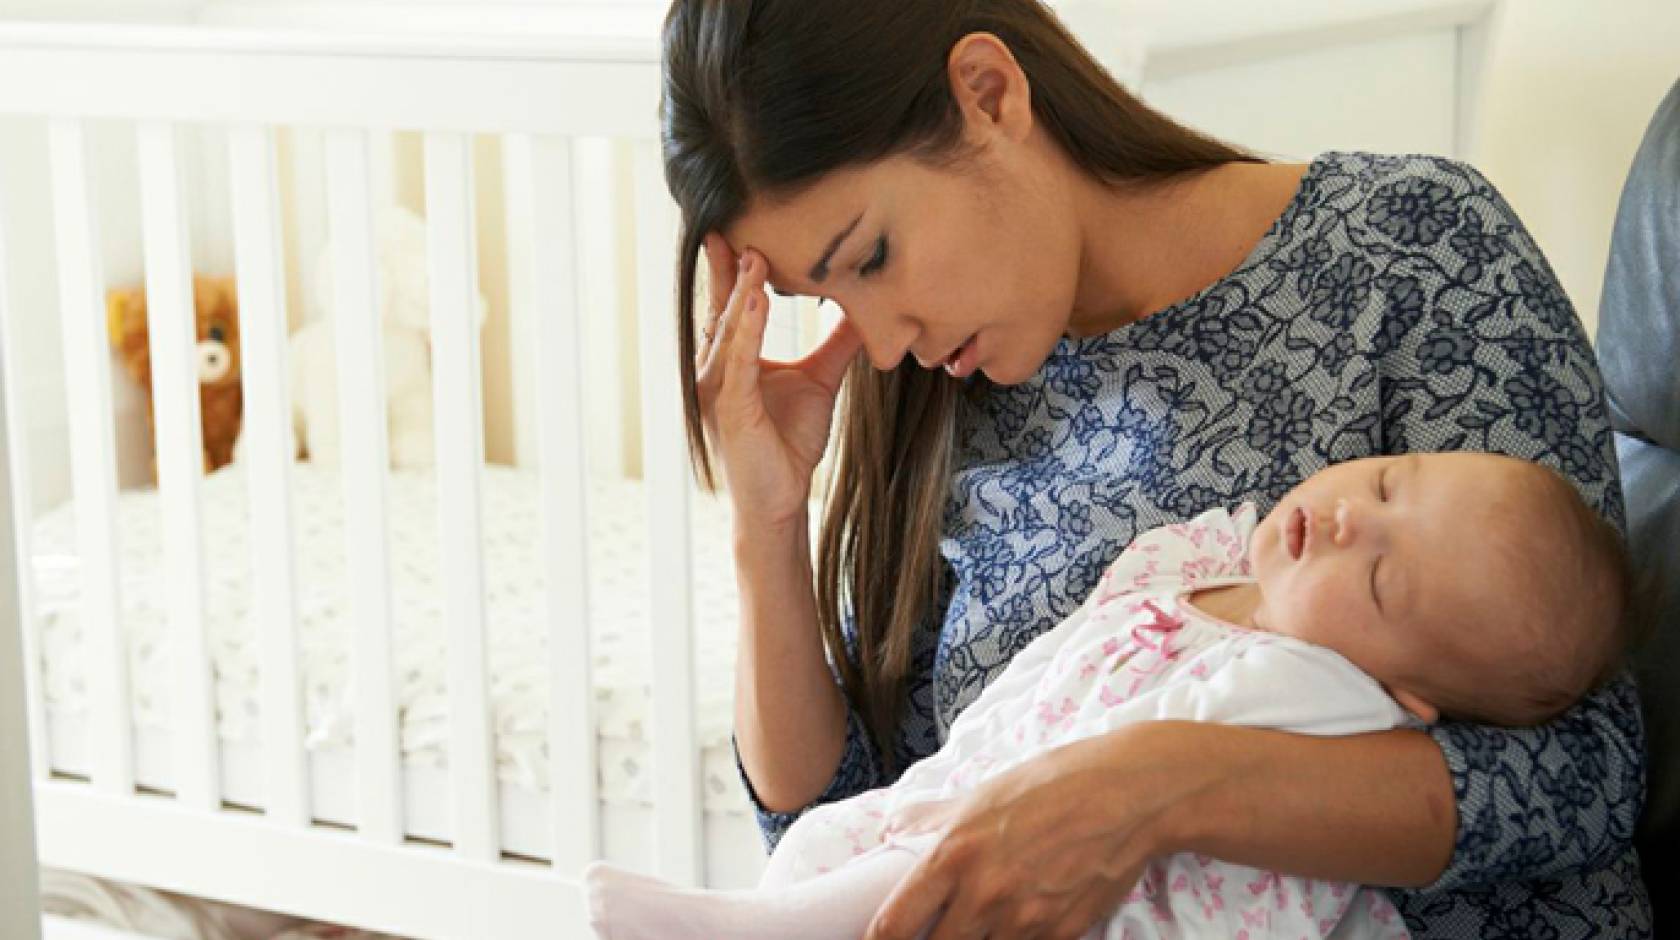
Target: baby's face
1386, 560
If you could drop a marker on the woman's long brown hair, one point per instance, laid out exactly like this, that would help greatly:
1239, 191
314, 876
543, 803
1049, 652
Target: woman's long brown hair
762, 98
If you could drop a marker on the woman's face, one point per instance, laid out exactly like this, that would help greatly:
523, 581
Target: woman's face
974, 262
923, 259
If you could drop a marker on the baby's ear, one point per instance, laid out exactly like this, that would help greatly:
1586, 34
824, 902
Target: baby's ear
1415, 704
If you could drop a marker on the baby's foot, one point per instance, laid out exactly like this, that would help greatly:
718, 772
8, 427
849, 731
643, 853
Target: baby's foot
626, 906
834, 906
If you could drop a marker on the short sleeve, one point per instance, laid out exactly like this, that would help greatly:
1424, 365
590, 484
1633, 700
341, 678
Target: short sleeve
859, 770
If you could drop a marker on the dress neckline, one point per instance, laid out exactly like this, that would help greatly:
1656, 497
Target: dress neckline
1263, 250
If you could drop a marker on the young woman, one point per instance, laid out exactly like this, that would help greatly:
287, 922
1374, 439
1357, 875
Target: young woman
1069, 320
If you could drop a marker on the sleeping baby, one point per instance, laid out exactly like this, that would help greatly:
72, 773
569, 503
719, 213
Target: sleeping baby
1381, 592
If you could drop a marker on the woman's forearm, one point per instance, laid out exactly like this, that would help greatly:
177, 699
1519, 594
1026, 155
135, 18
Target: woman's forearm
1373, 808
790, 718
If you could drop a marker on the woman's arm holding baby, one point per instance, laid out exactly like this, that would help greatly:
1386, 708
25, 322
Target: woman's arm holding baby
1373, 808
1051, 847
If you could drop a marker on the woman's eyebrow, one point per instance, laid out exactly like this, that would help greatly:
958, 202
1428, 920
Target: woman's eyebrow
819, 271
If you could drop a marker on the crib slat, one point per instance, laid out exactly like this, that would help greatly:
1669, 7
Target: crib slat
16, 446
365, 459
665, 471
458, 402
600, 199
87, 367
180, 446
269, 449
20, 915
542, 240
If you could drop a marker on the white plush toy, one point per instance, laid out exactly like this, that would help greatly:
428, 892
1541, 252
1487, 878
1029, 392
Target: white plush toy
405, 309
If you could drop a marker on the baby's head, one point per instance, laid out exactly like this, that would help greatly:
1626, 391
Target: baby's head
1472, 585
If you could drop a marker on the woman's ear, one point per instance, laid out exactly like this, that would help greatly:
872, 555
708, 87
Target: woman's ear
990, 89
1415, 704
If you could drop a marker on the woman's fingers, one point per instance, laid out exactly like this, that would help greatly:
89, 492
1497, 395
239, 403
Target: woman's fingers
748, 294
1095, 905
960, 920
915, 901
722, 263
731, 355
721, 285
743, 340
714, 336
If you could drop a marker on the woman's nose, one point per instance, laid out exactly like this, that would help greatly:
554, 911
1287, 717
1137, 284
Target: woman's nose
888, 343
884, 354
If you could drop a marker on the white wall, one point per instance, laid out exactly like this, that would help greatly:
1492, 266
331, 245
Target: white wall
1570, 90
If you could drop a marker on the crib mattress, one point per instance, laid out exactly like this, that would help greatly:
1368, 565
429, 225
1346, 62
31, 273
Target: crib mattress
518, 641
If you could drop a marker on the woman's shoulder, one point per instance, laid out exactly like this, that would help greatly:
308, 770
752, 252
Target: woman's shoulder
1416, 201
1368, 173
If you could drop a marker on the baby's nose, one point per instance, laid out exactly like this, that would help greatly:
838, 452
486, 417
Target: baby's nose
1344, 529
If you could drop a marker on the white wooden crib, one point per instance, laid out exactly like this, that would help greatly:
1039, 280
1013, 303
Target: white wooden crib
479, 862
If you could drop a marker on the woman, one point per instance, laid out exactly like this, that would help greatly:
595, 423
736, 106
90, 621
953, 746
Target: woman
1078, 321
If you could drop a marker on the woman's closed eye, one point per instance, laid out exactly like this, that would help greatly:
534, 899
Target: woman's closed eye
877, 260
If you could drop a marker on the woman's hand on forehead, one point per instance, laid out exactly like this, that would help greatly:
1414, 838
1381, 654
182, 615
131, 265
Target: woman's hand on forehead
769, 421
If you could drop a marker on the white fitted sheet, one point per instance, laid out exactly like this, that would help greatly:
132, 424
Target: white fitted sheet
518, 643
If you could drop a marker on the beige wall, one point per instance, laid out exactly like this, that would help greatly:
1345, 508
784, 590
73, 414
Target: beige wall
1570, 88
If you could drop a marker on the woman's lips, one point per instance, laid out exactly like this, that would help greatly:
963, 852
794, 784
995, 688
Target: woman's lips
1295, 533
961, 363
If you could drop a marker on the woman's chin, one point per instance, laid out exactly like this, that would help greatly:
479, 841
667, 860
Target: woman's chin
1002, 374
999, 371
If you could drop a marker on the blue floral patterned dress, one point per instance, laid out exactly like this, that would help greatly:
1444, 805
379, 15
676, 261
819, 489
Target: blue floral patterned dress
1397, 305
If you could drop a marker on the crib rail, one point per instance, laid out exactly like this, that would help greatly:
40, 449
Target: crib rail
542, 97
570, 87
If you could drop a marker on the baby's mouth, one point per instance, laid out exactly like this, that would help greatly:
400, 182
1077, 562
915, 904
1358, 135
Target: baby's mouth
1295, 533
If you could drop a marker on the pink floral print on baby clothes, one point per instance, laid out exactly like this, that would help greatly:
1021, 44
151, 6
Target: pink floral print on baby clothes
1135, 652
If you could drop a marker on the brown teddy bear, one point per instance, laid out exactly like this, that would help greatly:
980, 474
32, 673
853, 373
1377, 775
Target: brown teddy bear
219, 394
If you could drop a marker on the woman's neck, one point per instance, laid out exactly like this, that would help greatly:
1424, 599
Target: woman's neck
1146, 248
